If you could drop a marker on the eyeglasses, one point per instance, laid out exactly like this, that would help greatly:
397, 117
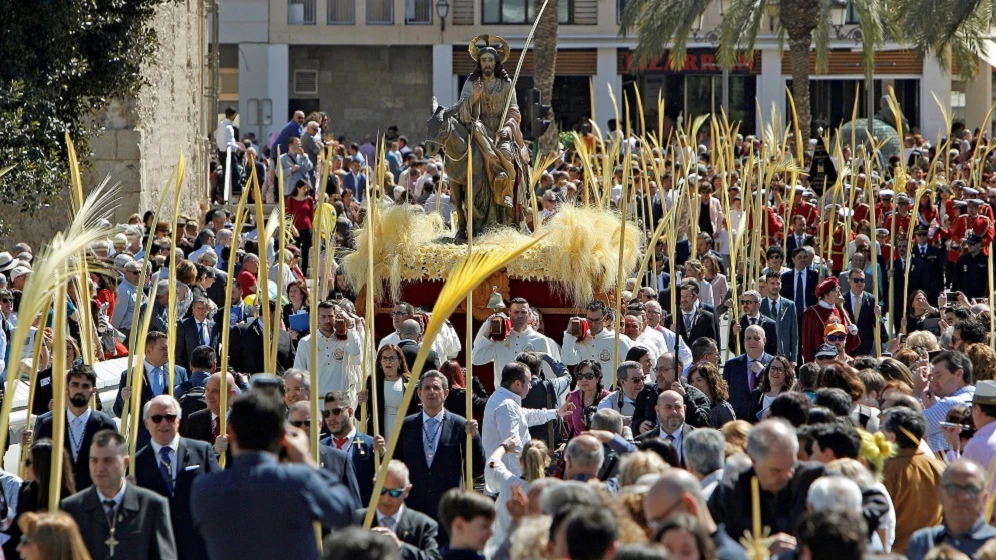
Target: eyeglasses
395, 493
389, 358
656, 522
300, 423
333, 412
858, 280
588, 376
955, 489
157, 418
599, 320
836, 337
25, 541
398, 314
663, 368
7, 300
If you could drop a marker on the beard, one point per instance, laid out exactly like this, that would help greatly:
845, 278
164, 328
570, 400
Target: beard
488, 72
79, 400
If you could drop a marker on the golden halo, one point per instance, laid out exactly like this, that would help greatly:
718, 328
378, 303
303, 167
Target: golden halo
493, 41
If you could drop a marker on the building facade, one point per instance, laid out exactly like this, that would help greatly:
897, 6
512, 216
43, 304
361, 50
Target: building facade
374, 63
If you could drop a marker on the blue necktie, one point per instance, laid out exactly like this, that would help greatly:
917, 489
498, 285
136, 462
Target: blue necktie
166, 466
156, 381
203, 331
800, 296
430, 432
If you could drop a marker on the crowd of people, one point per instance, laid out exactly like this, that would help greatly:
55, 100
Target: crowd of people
675, 426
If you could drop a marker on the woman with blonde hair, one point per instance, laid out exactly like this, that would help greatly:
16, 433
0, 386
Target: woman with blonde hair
711, 274
885, 534
634, 465
922, 339
50, 536
534, 458
736, 435
983, 361
694, 269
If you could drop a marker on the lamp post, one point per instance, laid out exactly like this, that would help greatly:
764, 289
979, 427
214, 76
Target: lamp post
442, 10
772, 8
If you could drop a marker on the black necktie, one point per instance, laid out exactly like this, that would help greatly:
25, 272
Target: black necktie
109, 510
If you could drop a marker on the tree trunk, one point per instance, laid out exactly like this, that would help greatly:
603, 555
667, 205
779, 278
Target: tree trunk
544, 69
799, 55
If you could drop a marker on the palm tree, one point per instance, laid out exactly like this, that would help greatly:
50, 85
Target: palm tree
544, 66
662, 25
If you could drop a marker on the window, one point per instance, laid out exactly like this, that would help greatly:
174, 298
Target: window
380, 12
342, 12
521, 12
301, 12
418, 12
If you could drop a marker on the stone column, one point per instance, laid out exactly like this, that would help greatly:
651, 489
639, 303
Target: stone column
771, 87
606, 74
979, 97
937, 82
443, 84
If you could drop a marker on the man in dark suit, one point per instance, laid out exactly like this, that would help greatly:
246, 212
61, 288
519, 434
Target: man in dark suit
917, 278
118, 519
245, 346
668, 376
799, 238
693, 321
781, 310
742, 374
934, 258
81, 422
269, 521
411, 340
333, 460
671, 422
433, 445
155, 382
168, 467
339, 419
204, 425
750, 301
160, 309
801, 276
862, 310
194, 331
413, 531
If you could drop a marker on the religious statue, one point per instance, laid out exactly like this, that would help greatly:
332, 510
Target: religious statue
486, 118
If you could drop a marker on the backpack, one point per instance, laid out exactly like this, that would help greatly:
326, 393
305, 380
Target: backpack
191, 401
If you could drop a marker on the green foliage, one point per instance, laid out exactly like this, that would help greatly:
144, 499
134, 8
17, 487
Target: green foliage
567, 139
62, 61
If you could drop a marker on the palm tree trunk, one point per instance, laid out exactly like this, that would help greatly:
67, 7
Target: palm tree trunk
799, 56
546, 65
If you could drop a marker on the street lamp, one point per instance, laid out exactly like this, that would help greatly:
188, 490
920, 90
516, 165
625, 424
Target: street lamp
442, 10
772, 8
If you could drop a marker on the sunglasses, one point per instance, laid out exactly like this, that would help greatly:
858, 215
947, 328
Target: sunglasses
858, 280
333, 412
395, 493
7, 300
588, 376
157, 418
300, 423
25, 541
836, 338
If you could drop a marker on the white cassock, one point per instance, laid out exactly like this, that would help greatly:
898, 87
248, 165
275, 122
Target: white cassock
502, 352
601, 349
339, 361
446, 344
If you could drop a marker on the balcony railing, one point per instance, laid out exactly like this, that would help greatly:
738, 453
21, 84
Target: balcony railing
301, 12
418, 12
380, 12
341, 12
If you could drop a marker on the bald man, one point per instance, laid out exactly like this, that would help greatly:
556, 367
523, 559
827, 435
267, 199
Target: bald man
963, 497
678, 491
204, 425
583, 457
410, 333
670, 421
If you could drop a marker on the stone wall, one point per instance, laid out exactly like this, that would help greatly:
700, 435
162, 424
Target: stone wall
144, 136
365, 89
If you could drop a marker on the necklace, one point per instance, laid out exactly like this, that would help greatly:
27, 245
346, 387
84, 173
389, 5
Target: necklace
431, 452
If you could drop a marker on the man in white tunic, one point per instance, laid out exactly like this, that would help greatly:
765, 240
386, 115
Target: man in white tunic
446, 344
598, 345
520, 338
339, 360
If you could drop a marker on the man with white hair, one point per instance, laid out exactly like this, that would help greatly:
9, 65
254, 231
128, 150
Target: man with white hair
168, 467
583, 457
834, 492
413, 531
773, 447
431, 171
127, 297
705, 457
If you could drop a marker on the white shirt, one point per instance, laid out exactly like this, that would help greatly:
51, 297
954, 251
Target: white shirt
441, 417
77, 429
600, 349
339, 361
501, 353
118, 498
652, 340
174, 445
396, 517
445, 208
224, 138
504, 417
